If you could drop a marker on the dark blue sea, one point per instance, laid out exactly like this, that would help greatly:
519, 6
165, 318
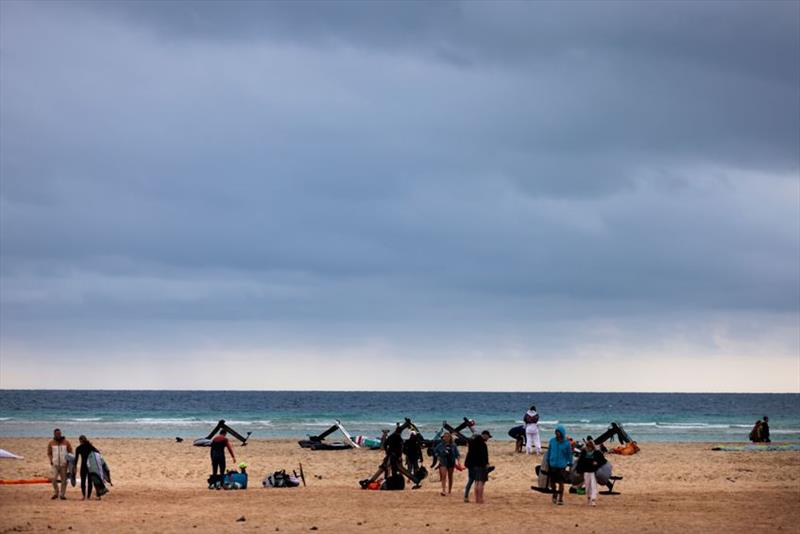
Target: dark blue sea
295, 414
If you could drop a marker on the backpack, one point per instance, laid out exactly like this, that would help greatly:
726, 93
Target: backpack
394, 482
279, 479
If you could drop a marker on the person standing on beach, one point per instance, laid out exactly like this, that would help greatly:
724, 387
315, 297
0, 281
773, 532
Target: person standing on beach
412, 448
531, 420
559, 458
477, 464
82, 452
589, 461
218, 445
57, 450
446, 452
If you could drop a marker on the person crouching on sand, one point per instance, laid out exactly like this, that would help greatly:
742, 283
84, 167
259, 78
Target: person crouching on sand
559, 458
218, 445
446, 452
589, 461
57, 450
477, 464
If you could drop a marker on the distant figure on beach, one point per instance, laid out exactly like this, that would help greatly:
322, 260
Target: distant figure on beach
446, 453
412, 448
477, 464
531, 420
57, 450
760, 432
82, 452
589, 461
559, 458
218, 445
755, 433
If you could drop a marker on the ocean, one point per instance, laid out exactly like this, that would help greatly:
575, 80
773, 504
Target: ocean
663, 417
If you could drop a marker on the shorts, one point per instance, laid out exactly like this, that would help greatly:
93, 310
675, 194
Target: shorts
557, 474
479, 474
447, 462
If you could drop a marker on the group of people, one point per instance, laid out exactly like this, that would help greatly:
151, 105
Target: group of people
560, 461
760, 431
447, 456
64, 460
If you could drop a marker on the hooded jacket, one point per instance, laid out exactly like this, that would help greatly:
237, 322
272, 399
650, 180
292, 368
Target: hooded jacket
559, 453
531, 420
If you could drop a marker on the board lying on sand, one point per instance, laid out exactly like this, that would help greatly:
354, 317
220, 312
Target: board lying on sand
26, 481
758, 448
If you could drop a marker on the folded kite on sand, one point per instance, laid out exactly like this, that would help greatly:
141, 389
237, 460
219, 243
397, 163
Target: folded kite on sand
40, 480
9, 455
758, 448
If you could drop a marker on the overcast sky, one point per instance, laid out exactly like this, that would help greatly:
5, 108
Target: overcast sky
413, 195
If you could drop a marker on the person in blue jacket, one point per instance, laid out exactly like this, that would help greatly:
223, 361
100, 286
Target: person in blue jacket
559, 459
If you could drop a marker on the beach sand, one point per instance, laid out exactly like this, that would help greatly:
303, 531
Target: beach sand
160, 486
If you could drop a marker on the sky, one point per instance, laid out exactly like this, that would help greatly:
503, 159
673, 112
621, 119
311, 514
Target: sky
500, 196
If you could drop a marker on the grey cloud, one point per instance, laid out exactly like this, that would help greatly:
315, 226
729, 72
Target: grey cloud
398, 165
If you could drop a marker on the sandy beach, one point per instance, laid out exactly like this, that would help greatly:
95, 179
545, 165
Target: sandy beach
160, 486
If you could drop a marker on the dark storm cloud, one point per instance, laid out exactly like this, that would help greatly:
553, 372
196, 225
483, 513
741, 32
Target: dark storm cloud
409, 163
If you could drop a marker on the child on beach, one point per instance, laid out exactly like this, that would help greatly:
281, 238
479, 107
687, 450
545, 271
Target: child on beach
589, 461
446, 453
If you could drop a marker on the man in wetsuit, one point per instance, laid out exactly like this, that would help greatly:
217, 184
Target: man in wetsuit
85, 448
412, 448
394, 453
218, 445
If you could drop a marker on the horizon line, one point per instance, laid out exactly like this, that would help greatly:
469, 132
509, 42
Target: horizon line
250, 390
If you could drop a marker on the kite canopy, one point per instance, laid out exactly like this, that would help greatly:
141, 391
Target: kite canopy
4, 454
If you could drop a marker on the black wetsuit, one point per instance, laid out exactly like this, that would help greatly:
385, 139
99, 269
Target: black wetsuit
394, 452
413, 451
82, 452
765, 432
218, 447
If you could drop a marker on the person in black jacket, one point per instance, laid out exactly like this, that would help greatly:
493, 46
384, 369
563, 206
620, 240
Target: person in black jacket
82, 453
477, 464
412, 448
589, 461
765, 430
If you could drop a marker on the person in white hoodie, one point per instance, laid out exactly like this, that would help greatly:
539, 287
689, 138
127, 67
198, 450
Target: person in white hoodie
57, 450
531, 420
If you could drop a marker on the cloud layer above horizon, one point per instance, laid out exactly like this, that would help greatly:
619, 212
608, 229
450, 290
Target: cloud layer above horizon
409, 195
